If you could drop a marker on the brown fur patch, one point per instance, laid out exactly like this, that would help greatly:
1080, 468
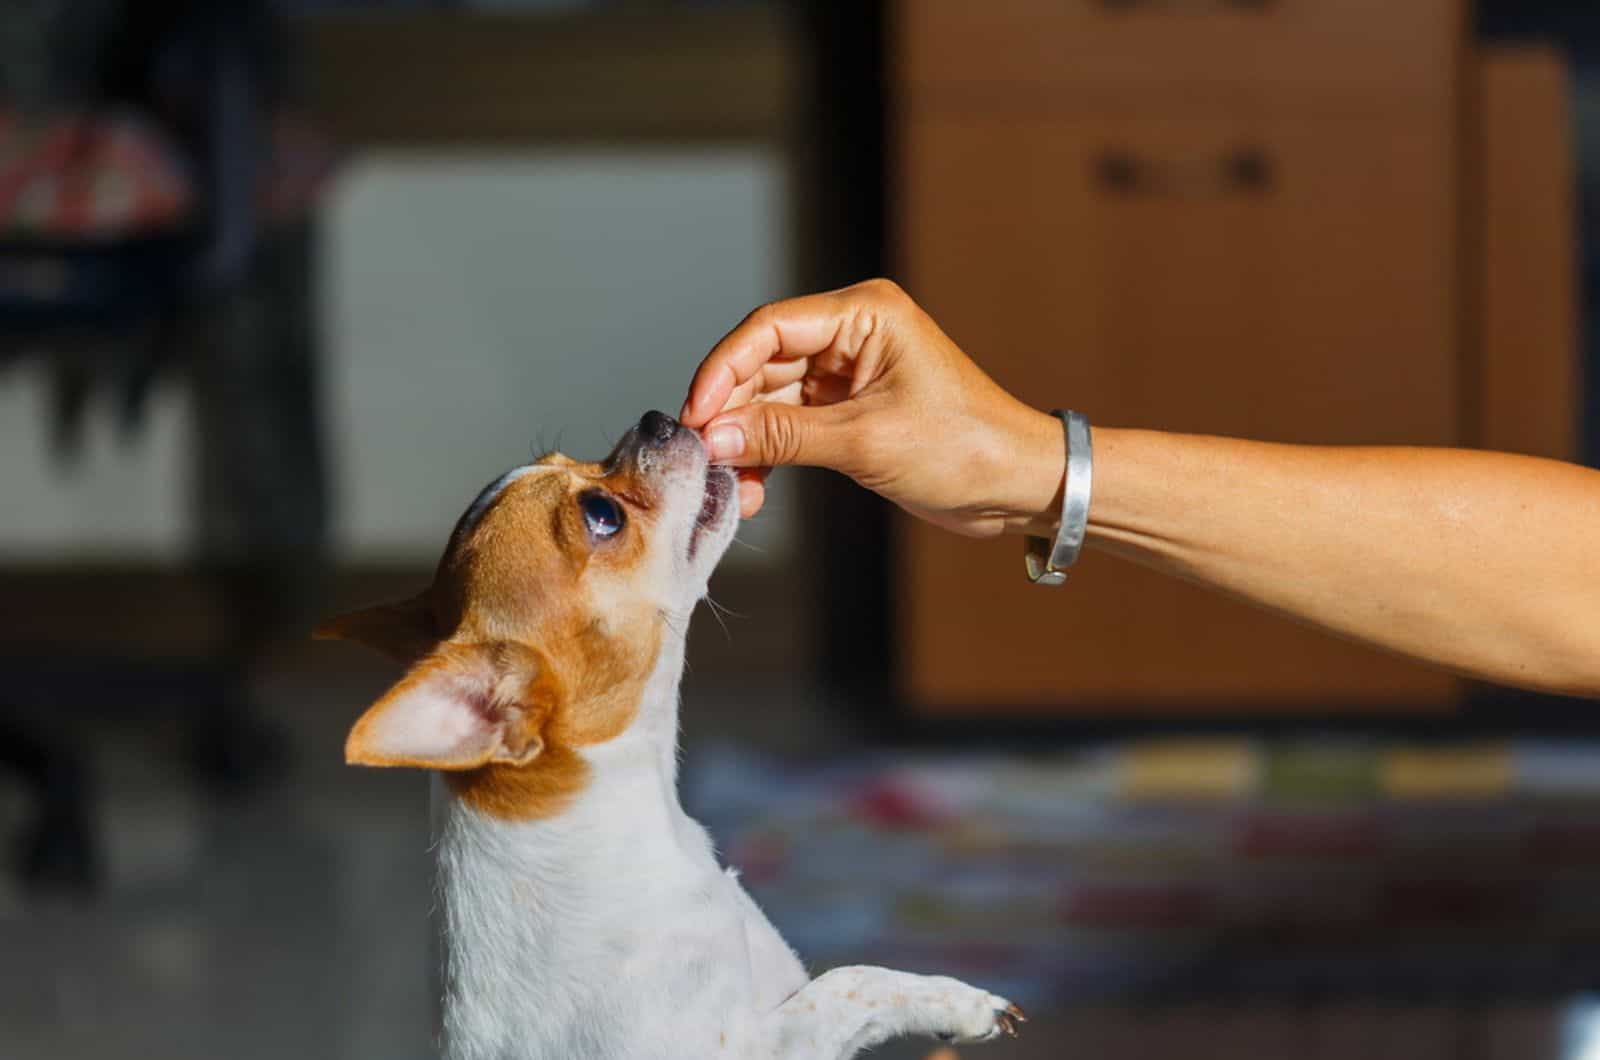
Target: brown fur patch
402, 630
539, 790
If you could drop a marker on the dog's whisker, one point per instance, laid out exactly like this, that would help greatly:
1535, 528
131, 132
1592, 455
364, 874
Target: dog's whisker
667, 617
716, 612
722, 609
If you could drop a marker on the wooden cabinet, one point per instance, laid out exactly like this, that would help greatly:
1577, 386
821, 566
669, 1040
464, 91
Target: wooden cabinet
1196, 304
1245, 218
1271, 278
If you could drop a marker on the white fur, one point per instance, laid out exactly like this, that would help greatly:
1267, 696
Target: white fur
609, 932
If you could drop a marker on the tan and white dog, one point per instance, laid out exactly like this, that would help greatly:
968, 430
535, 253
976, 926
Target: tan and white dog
585, 914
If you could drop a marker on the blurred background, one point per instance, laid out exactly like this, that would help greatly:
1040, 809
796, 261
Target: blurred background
283, 284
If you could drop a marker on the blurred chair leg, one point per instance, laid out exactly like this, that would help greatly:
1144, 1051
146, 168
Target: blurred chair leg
263, 491
57, 847
233, 749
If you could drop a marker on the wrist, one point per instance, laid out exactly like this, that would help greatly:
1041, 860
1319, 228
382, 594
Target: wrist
1038, 469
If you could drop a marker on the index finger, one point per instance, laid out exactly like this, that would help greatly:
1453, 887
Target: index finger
794, 328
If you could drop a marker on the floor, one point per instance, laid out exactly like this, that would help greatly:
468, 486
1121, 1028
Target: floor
288, 924
294, 923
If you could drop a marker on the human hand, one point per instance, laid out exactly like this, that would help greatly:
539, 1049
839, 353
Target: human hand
862, 381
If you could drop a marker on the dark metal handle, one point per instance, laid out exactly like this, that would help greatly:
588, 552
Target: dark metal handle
1242, 171
1248, 169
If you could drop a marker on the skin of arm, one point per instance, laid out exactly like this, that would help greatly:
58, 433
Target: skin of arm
1483, 563
1486, 564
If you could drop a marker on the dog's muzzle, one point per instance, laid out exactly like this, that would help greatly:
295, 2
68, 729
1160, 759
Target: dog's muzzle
657, 443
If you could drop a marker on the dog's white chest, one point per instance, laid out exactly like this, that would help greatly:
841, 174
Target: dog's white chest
601, 935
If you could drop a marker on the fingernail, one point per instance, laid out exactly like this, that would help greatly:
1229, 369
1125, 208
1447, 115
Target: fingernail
725, 441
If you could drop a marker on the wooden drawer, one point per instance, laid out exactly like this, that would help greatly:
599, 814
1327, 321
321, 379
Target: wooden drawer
1264, 54
1271, 278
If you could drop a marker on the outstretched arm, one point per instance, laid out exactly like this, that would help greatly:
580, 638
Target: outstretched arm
1483, 563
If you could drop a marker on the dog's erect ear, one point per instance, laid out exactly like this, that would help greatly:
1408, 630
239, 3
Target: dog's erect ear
401, 630
460, 707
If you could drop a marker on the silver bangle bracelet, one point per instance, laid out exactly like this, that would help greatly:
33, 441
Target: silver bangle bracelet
1047, 561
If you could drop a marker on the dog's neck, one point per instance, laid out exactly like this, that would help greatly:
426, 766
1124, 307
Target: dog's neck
524, 900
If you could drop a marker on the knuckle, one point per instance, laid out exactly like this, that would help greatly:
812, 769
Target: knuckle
780, 436
883, 289
764, 314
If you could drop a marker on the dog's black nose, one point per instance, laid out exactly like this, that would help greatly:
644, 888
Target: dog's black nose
657, 428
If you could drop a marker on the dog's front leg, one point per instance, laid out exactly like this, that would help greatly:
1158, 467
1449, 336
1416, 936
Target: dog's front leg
843, 1011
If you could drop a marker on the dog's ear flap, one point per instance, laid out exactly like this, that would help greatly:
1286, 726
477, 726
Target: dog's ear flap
402, 630
460, 707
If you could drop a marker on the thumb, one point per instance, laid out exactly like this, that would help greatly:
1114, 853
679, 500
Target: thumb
767, 434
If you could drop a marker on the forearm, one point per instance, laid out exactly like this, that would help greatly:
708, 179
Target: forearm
1484, 563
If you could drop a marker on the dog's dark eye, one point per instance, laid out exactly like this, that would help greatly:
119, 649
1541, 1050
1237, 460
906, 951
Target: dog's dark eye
602, 514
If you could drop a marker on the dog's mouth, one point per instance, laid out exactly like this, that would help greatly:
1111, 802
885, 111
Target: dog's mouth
714, 503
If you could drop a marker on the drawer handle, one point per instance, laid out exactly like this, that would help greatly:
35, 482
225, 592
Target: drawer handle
1243, 171
1168, 5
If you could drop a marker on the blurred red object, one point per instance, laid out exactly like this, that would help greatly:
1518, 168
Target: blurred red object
70, 177
74, 177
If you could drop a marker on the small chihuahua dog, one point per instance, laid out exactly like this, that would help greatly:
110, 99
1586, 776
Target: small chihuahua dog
585, 914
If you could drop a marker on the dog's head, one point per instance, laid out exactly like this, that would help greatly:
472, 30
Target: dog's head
559, 586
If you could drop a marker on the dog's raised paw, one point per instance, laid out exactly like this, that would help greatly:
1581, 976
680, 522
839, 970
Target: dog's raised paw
983, 1017
1008, 1018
